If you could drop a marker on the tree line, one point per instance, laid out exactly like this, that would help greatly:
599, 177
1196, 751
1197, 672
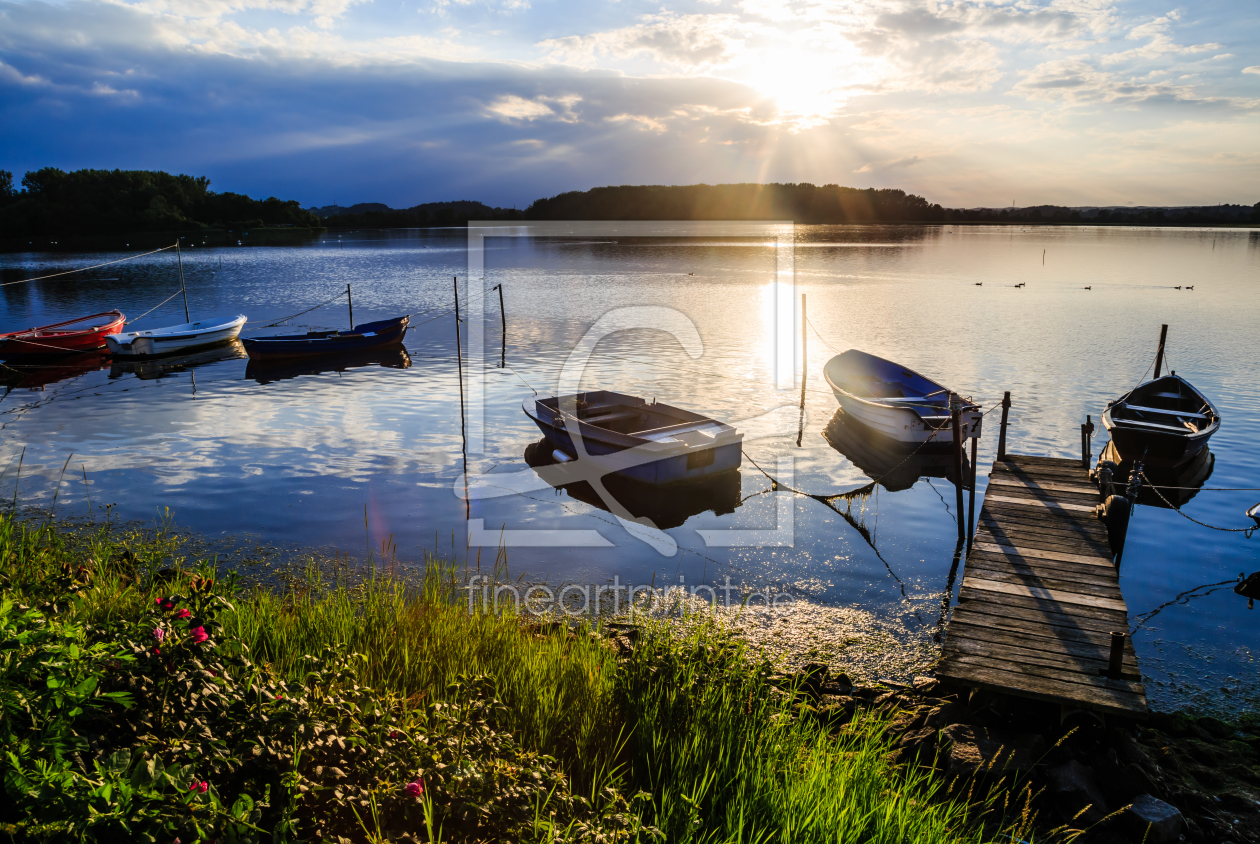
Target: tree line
110, 202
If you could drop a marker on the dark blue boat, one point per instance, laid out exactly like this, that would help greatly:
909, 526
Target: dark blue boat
367, 337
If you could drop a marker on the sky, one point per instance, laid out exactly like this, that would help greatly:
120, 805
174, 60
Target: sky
968, 103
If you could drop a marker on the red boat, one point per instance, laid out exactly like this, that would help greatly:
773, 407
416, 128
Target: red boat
84, 334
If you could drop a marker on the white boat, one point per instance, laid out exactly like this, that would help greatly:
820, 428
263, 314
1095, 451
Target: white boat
895, 402
175, 338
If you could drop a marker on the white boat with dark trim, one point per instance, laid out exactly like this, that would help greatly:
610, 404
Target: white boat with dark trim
894, 401
175, 338
626, 435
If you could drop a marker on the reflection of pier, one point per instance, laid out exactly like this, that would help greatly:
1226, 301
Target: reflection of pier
1041, 614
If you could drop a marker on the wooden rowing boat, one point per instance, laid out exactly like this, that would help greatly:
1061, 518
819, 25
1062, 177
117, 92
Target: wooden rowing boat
628, 436
174, 339
1165, 423
893, 400
84, 334
362, 338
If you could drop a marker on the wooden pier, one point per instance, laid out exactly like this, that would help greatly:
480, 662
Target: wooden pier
1040, 612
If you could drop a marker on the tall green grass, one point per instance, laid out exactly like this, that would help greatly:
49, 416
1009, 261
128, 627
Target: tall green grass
687, 717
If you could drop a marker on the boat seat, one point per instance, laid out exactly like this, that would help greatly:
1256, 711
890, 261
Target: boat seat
1165, 395
1166, 412
612, 417
1180, 429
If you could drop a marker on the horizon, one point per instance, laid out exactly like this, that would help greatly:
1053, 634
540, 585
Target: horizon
1076, 103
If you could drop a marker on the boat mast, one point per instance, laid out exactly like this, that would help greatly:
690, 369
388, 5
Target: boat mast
181, 280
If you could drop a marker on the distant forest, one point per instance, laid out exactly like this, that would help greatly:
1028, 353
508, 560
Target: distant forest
51, 202
105, 202
804, 203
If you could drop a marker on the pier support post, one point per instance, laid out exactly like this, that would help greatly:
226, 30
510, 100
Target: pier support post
1159, 354
955, 414
1006, 409
1087, 430
1115, 661
971, 501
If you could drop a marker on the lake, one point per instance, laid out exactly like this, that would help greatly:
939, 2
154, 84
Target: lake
344, 459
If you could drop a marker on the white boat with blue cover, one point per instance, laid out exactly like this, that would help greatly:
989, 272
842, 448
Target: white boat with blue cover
628, 436
894, 401
155, 342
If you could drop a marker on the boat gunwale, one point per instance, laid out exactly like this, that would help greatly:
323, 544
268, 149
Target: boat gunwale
909, 408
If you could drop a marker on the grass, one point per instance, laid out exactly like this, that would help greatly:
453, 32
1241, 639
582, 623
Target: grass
688, 719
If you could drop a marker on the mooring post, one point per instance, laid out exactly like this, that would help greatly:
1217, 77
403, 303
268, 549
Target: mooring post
184, 289
971, 502
1115, 661
1126, 514
955, 413
800, 426
350, 303
1087, 431
459, 356
1159, 354
503, 333
1006, 409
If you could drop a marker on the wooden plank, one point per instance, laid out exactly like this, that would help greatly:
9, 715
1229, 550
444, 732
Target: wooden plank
1036, 460
978, 561
1058, 596
1024, 491
1034, 580
1092, 542
1000, 547
1089, 666
1066, 627
1040, 535
1070, 475
1101, 700
1043, 640
1105, 617
1052, 506
1079, 525
1071, 679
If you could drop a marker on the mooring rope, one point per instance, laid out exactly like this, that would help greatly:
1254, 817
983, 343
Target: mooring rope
1183, 598
85, 269
154, 308
1245, 531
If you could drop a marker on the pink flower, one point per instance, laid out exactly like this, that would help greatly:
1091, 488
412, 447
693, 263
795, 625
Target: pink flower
199, 634
183, 614
199, 787
415, 789
159, 633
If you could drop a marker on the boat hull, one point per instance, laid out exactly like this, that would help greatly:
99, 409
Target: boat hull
174, 340
364, 338
647, 461
58, 339
1166, 423
894, 417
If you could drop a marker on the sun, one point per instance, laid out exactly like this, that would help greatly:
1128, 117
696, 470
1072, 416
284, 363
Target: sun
809, 82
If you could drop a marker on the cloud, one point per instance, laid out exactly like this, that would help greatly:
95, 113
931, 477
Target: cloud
1252, 69
1160, 44
1074, 81
512, 107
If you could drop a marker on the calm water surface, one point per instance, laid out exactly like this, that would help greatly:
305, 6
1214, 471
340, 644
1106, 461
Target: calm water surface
295, 456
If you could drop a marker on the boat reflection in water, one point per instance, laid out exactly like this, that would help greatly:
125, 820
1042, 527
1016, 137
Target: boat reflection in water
265, 372
35, 376
667, 506
151, 369
1178, 485
896, 466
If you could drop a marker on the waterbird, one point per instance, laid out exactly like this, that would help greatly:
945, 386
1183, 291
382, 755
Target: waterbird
1178, 287
1190, 287
979, 284
1090, 287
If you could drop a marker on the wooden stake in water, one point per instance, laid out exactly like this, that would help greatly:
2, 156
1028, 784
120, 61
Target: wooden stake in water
1006, 409
182, 288
955, 414
350, 303
800, 426
1159, 353
503, 322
